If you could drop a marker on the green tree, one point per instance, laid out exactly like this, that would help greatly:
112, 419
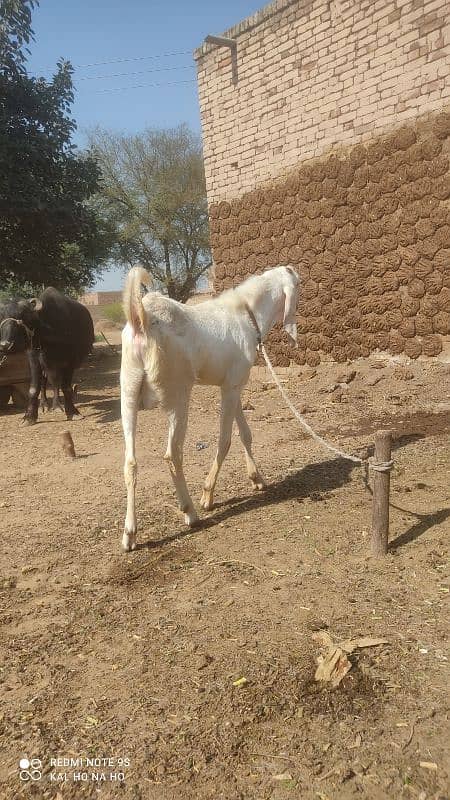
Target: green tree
153, 192
50, 231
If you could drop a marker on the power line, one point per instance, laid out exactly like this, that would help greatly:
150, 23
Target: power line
125, 74
141, 86
141, 58
125, 60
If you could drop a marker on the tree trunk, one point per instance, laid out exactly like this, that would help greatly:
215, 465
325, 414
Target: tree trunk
170, 283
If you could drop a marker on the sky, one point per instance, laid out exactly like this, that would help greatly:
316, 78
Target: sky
152, 80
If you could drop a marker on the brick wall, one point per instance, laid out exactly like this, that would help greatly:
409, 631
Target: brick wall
101, 298
331, 153
315, 74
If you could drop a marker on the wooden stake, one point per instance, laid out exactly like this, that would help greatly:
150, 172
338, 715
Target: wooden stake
380, 503
68, 445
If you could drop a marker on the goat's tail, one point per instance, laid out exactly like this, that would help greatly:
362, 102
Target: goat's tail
138, 283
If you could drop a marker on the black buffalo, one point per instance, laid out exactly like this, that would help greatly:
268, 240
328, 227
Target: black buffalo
57, 333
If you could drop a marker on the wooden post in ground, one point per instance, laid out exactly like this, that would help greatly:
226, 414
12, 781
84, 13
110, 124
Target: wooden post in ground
68, 445
380, 502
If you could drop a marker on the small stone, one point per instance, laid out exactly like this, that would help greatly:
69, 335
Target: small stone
372, 380
8, 583
403, 374
336, 396
316, 624
203, 661
27, 569
396, 400
346, 377
330, 388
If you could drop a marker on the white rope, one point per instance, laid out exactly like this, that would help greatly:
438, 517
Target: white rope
376, 466
381, 466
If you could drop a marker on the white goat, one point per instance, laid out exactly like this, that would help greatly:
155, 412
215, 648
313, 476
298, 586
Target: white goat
167, 347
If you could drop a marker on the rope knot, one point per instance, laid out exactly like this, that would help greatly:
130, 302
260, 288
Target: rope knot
380, 466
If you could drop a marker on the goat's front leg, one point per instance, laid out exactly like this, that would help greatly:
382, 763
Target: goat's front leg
254, 474
178, 416
130, 387
230, 399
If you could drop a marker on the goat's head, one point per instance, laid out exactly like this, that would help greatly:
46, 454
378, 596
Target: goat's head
290, 286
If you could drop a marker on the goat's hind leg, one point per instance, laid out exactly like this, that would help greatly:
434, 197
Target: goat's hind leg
254, 474
178, 416
129, 396
230, 398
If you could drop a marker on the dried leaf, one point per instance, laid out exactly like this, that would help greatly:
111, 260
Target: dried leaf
282, 776
428, 765
240, 682
349, 645
333, 666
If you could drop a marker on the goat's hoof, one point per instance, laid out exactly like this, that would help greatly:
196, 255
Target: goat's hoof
191, 519
28, 420
258, 484
207, 500
128, 542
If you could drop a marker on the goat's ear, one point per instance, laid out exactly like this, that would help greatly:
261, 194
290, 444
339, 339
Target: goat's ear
290, 308
35, 304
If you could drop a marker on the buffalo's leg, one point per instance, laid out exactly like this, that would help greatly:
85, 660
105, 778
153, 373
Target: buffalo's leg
5, 394
31, 414
56, 402
66, 386
55, 379
45, 403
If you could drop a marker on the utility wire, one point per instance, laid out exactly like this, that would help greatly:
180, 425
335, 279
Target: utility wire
123, 60
141, 86
125, 74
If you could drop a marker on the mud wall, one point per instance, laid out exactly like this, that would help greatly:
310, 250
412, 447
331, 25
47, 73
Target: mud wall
368, 231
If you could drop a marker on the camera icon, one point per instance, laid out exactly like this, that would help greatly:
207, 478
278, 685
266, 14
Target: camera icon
30, 769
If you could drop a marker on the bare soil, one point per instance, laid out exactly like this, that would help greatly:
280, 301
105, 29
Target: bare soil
134, 657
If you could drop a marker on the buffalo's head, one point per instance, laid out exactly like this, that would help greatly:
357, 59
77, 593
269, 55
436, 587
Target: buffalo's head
19, 319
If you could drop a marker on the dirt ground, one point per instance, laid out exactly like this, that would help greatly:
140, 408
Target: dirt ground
133, 658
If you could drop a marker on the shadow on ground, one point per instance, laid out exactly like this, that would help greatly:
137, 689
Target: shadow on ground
426, 521
314, 480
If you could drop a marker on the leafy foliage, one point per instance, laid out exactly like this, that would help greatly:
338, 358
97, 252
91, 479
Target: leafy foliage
153, 193
114, 312
49, 233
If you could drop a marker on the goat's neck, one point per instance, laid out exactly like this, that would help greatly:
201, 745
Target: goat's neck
267, 309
